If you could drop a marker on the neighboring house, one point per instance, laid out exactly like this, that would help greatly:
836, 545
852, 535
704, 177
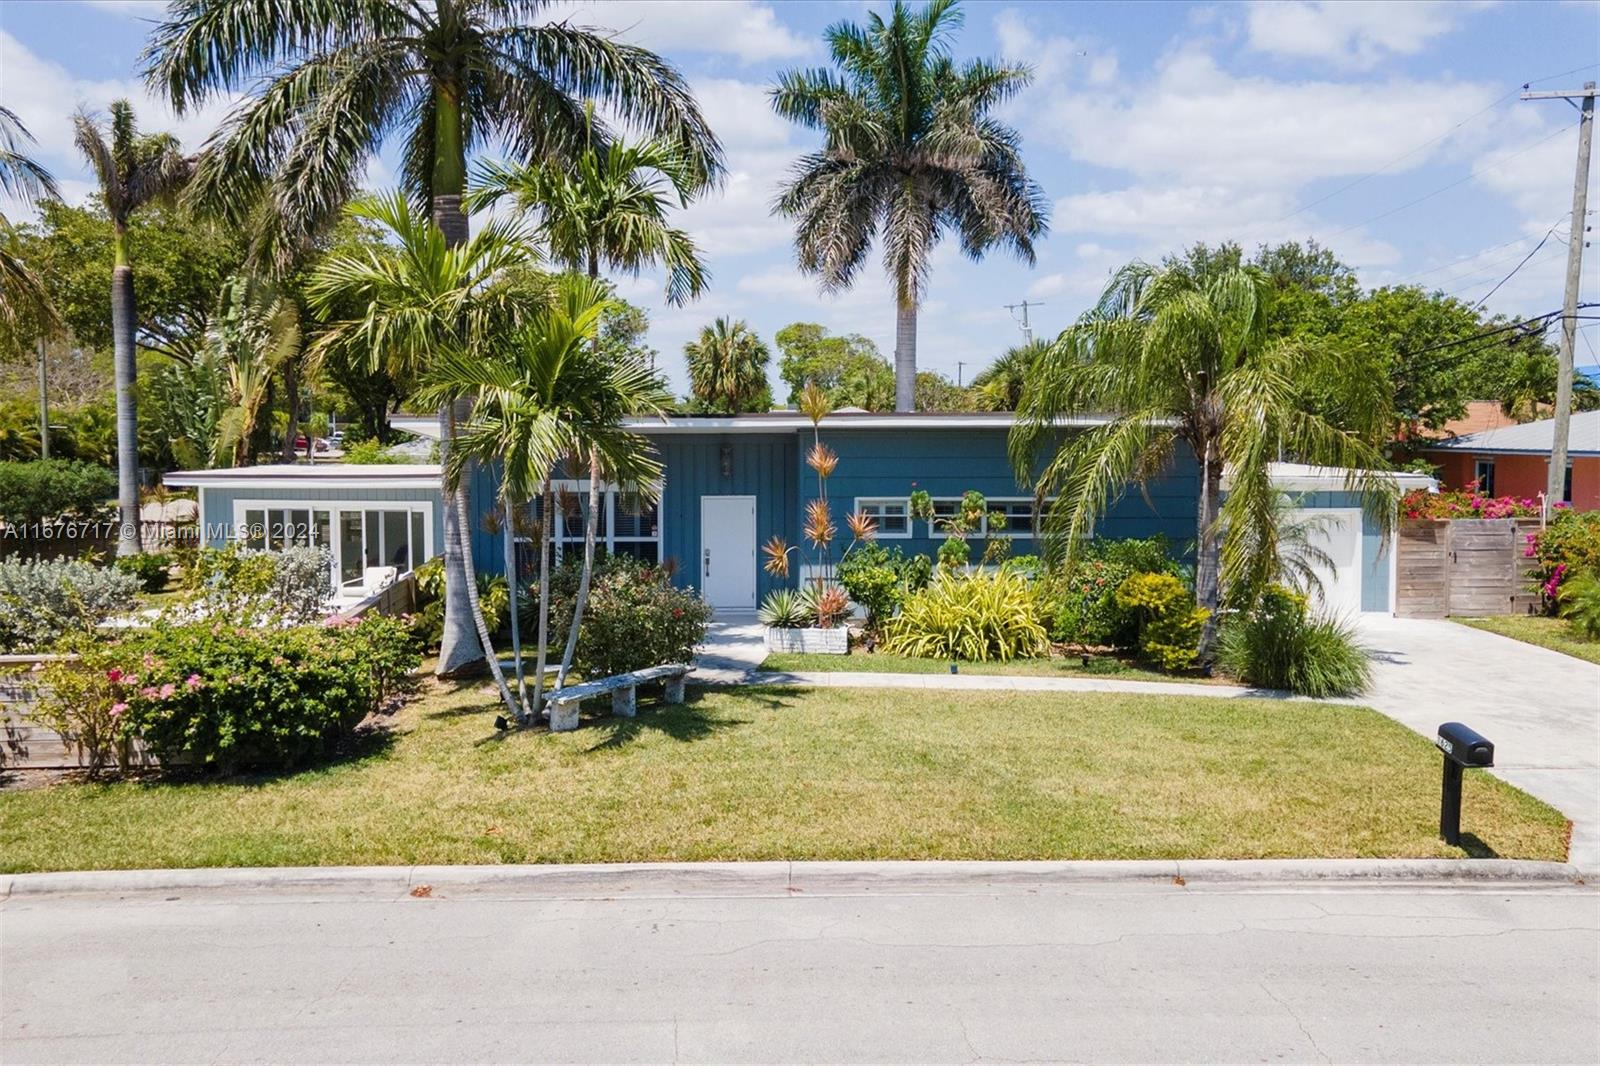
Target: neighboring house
730, 484
1515, 460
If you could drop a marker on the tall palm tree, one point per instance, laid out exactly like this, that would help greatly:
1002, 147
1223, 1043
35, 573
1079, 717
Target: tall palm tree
417, 300
911, 148
21, 178
446, 78
728, 368
133, 170
541, 395
1182, 356
608, 206
255, 332
999, 385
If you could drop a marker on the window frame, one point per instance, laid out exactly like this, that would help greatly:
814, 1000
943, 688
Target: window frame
606, 537
863, 503
1011, 532
1478, 463
335, 510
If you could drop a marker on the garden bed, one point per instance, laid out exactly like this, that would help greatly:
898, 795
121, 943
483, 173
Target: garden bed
744, 774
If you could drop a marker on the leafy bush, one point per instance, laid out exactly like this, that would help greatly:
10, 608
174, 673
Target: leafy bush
635, 618
1279, 644
977, 617
371, 453
1580, 603
1466, 503
233, 696
42, 601
82, 705
48, 488
879, 578
1080, 605
1169, 621
1568, 546
152, 569
240, 582
784, 609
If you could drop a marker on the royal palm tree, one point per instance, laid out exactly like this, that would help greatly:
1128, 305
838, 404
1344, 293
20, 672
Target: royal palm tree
446, 78
132, 170
1181, 357
912, 150
419, 298
541, 395
728, 368
607, 207
999, 385
21, 178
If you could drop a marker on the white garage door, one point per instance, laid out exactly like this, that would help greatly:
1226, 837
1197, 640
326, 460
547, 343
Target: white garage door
1337, 531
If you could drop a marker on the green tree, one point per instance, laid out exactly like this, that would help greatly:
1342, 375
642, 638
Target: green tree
935, 392
540, 395
132, 170
728, 369
445, 78
847, 369
1183, 358
21, 178
911, 149
999, 386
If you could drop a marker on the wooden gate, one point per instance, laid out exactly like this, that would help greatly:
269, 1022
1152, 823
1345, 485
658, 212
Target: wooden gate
1471, 567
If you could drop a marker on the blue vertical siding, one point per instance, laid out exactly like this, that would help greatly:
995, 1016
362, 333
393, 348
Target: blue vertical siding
762, 465
1375, 546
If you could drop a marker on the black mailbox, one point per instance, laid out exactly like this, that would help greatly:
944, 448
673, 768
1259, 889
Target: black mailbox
1462, 747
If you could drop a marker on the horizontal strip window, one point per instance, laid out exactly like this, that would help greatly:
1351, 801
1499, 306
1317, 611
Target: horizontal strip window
628, 524
892, 516
1017, 509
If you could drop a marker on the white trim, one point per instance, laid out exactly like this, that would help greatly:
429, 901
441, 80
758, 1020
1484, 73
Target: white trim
982, 532
784, 422
243, 505
607, 538
328, 476
862, 502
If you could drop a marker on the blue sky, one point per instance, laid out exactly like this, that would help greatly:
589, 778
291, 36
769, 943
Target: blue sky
1391, 132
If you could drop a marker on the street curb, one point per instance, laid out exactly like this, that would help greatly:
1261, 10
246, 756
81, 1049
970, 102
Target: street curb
779, 878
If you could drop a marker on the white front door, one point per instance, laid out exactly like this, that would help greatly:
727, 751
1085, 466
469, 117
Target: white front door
1337, 532
728, 551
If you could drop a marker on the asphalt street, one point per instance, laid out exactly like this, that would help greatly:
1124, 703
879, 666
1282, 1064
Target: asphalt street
1380, 972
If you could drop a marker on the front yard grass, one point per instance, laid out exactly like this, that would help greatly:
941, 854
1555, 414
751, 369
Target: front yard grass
1552, 633
878, 663
783, 773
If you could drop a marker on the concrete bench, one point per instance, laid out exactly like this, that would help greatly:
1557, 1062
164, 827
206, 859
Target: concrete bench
624, 689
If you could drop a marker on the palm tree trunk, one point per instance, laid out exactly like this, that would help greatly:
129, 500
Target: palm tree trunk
477, 615
511, 598
125, 372
1207, 561
589, 528
291, 389
905, 356
547, 520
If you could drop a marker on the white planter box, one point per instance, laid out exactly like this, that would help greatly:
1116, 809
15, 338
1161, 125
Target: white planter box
835, 641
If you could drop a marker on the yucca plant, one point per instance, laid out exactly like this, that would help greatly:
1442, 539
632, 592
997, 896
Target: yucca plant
978, 618
784, 609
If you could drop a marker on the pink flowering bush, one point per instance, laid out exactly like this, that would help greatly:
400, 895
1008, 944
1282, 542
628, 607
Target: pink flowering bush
1466, 503
1566, 548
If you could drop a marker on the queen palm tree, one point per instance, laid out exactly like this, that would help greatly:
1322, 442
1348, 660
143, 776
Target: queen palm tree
999, 385
416, 299
132, 170
728, 368
912, 149
608, 206
21, 178
1181, 357
540, 395
445, 78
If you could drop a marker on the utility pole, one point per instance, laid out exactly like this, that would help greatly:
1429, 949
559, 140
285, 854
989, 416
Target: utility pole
1027, 330
1555, 485
960, 366
44, 404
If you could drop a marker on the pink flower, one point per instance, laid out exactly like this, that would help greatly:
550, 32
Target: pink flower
118, 709
192, 682
150, 692
167, 690
149, 661
114, 675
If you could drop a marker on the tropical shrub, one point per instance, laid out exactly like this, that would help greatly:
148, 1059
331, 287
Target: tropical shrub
48, 488
635, 618
1580, 603
152, 569
80, 704
879, 578
1169, 621
1079, 605
976, 617
371, 453
1279, 644
1466, 503
784, 609
41, 601
241, 582
1569, 545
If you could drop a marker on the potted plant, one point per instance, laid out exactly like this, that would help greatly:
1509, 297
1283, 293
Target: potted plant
810, 621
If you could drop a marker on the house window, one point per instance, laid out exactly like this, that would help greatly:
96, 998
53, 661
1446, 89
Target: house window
892, 516
1017, 509
627, 524
1483, 474
357, 535
1566, 485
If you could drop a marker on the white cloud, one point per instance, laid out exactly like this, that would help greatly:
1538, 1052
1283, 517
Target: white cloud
1355, 34
744, 29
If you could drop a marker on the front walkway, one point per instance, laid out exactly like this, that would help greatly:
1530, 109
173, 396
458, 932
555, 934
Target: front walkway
734, 646
1540, 708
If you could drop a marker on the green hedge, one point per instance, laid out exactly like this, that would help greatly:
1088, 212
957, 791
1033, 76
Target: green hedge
49, 488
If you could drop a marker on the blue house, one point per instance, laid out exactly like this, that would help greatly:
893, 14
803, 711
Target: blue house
729, 486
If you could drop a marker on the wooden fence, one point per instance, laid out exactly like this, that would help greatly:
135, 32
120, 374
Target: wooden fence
1473, 567
28, 744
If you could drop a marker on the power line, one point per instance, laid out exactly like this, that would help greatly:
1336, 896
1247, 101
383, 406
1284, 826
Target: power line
1476, 281
1516, 268
1481, 268
1465, 258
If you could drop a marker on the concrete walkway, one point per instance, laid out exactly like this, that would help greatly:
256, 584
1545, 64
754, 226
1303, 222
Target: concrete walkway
734, 646
1009, 683
1540, 708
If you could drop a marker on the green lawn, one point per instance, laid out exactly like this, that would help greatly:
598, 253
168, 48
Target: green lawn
1552, 633
819, 774
878, 663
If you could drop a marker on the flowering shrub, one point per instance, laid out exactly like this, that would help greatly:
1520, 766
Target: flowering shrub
230, 696
242, 582
1567, 547
42, 601
635, 618
1169, 621
1080, 605
1466, 503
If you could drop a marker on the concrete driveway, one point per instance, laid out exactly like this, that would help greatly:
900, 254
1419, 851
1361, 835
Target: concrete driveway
1539, 707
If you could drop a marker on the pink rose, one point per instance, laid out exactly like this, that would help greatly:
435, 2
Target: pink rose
150, 692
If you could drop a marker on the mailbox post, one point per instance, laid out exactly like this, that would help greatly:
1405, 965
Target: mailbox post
1462, 747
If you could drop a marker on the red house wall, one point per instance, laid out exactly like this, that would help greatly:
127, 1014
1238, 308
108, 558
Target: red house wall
1522, 475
